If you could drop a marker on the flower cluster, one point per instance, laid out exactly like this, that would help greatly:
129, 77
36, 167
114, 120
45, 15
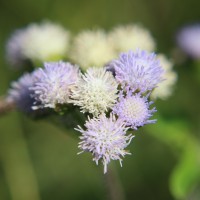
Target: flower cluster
112, 91
97, 47
115, 104
50, 42
136, 74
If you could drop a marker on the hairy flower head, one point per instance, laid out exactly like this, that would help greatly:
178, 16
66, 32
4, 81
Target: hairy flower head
131, 37
95, 91
38, 43
14, 54
105, 138
138, 70
134, 110
45, 42
54, 83
91, 48
20, 94
165, 88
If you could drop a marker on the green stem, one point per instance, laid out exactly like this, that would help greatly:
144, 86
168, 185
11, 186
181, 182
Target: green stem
16, 163
113, 185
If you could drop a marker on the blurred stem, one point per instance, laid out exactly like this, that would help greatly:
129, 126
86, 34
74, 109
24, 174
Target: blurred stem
113, 184
5, 106
16, 162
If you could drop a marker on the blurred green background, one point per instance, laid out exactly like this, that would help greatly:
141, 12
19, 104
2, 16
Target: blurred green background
39, 161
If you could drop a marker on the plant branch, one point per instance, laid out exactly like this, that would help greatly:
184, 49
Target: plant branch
5, 106
113, 185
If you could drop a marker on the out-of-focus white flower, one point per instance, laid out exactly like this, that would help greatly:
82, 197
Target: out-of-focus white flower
91, 48
131, 37
164, 89
38, 42
45, 42
95, 92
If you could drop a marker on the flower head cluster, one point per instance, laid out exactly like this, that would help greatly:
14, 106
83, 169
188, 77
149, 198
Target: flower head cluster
114, 96
131, 37
54, 84
91, 48
95, 92
164, 89
188, 39
97, 48
137, 74
138, 70
38, 42
105, 138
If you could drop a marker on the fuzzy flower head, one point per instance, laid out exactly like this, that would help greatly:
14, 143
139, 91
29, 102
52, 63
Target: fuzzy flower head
105, 138
165, 88
38, 43
14, 54
138, 70
188, 39
134, 110
91, 48
45, 42
95, 91
131, 37
54, 84
20, 94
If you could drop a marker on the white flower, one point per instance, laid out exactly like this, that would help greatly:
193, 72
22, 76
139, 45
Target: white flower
131, 37
91, 48
164, 89
95, 92
38, 42
45, 42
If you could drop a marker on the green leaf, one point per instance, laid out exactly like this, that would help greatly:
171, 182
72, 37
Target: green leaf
174, 133
187, 173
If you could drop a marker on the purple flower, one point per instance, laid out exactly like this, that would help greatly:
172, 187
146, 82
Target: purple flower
188, 39
14, 53
105, 138
134, 110
138, 70
54, 84
20, 94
